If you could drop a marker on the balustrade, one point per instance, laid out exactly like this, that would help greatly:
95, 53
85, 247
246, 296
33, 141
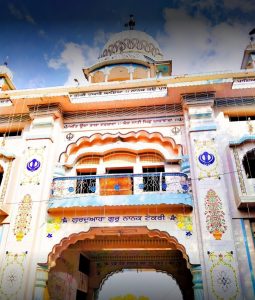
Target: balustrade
120, 184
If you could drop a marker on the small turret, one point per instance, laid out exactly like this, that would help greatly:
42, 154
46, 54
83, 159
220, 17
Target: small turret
6, 78
248, 61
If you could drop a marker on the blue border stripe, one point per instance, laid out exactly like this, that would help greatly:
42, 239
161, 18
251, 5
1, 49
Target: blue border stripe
248, 255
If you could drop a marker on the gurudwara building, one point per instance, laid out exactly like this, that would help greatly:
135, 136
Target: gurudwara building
139, 169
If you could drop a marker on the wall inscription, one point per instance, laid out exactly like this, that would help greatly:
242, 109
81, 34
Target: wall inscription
124, 123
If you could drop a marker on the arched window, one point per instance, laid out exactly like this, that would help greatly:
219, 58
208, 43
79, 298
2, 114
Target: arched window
249, 163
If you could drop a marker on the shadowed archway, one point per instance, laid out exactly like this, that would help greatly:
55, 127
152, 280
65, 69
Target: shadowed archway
107, 250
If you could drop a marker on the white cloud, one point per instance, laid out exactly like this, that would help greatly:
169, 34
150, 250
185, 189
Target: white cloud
15, 11
74, 58
196, 46
245, 6
29, 19
42, 33
36, 82
20, 14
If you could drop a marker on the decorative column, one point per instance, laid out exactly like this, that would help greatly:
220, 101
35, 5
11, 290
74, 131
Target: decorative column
131, 70
138, 181
25, 243
149, 73
91, 75
106, 72
206, 150
41, 283
6, 162
196, 272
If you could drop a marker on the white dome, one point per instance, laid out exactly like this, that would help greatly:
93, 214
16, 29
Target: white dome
131, 42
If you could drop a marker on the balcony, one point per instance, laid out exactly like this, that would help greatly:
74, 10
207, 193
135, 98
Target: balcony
120, 190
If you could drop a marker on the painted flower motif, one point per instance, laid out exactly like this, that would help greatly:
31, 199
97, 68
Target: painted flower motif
223, 280
180, 225
53, 225
183, 222
215, 217
189, 227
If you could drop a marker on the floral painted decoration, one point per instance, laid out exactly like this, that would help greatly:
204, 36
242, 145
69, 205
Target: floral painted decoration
183, 222
215, 220
53, 225
23, 218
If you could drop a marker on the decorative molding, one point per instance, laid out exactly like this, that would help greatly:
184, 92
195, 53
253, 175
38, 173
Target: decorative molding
112, 141
204, 128
53, 109
121, 113
96, 201
242, 140
15, 119
239, 171
5, 153
243, 83
106, 231
146, 122
4, 185
131, 44
200, 82
123, 94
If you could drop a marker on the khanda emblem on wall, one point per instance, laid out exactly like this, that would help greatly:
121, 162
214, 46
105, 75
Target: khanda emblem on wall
33, 165
206, 158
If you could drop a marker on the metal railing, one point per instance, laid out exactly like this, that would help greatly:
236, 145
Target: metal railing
119, 184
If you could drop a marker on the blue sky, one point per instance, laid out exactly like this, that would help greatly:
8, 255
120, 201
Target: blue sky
47, 43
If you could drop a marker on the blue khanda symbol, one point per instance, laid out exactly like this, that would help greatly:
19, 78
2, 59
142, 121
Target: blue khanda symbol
206, 158
33, 165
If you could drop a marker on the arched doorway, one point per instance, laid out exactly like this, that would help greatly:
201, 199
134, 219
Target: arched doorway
81, 262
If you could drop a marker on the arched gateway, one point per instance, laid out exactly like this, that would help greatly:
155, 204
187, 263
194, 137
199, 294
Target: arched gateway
81, 262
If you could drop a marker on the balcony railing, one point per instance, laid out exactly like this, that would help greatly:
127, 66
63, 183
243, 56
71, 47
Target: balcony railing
119, 184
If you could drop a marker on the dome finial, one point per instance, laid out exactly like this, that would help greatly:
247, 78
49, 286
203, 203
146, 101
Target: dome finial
131, 22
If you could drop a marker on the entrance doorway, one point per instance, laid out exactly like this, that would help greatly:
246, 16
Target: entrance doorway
84, 265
